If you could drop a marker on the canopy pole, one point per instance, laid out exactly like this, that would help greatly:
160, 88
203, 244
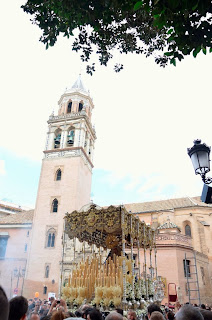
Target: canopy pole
139, 262
124, 301
132, 261
145, 275
150, 253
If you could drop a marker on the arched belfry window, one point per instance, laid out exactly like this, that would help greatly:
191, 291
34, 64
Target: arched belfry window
51, 238
80, 106
188, 230
57, 139
58, 175
55, 205
70, 139
47, 272
69, 107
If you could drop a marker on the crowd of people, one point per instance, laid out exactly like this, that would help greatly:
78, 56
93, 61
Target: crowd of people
19, 308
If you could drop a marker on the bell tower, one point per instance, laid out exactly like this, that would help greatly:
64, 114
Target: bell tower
64, 186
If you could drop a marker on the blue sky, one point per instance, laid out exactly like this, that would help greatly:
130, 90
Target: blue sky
19, 183
145, 116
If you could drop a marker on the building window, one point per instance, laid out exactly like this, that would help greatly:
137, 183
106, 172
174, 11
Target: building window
58, 175
188, 230
47, 271
57, 140
70, 138
69, 107
55, 205
25, 248
186, 265
80, 106
3, 246
45, 290
51, 238
202, 275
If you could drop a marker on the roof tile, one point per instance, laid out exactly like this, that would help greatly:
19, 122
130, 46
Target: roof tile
18, 218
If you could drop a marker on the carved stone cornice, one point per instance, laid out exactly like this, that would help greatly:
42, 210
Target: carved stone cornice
70, 151
73, 116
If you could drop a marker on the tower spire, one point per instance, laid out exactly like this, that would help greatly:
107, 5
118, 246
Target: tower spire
78, 84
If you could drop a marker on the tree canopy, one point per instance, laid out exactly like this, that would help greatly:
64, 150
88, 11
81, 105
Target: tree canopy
167, 29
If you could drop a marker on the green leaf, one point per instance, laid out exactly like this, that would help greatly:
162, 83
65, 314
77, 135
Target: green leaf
204, 50
170, 31
195, 6
138, 5
168, 54
196, 51
210, 50
173, 61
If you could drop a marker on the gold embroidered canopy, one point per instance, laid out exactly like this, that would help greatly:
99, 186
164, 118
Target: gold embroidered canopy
105, 227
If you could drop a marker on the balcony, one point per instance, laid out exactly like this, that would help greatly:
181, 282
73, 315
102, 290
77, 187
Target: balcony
72, 115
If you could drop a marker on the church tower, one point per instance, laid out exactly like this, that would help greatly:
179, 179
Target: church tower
64, 186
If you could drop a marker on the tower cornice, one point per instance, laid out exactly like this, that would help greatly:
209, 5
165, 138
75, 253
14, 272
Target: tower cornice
64, 151
76, 92
73, 116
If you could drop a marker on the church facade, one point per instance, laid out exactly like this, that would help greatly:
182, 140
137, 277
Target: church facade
35, 254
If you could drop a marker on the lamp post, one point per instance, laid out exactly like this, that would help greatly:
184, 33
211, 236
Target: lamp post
18, 273
200, 157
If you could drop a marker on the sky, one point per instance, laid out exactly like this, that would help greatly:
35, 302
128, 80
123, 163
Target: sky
145, 116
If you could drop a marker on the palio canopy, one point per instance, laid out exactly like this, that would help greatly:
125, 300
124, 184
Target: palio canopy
108, 227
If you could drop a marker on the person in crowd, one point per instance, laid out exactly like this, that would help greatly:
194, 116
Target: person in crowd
84, 307
47, 317
30, 301
4, 310
94, 314
203, 306
37, 307
188, 312
18, 307
119, 310
34, 316
131, 315
43, 310
114, 316
31, 306
58, 305
170, 315
86, 311
78, 314
151, 308
207, 315
156, 315
58, 315
70, 314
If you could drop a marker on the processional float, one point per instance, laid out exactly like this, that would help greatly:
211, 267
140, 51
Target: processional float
111, 281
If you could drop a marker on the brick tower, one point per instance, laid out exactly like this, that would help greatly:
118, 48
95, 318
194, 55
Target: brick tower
64, 186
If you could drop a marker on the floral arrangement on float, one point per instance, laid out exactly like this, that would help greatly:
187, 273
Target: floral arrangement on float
102, 284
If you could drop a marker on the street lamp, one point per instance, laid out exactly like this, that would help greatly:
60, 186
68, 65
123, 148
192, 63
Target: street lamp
200, 157
18, 274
